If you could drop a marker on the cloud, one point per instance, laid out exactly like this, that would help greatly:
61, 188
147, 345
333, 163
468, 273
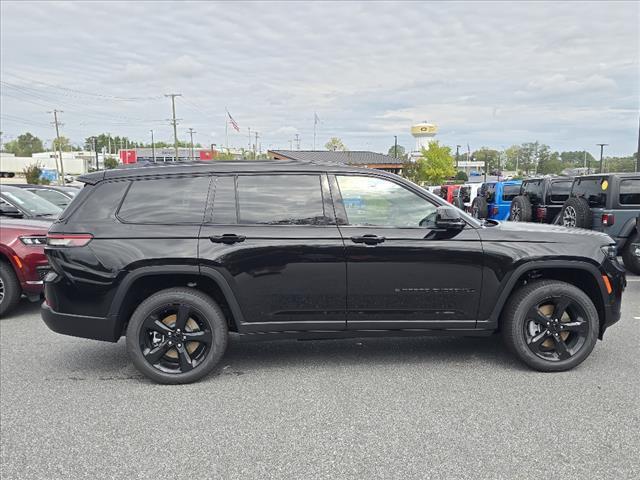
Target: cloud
485, 73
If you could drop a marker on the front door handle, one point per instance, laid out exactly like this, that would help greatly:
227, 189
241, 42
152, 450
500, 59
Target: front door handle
227, 238
368, 239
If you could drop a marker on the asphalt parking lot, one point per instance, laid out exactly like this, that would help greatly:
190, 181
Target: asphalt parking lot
373, 408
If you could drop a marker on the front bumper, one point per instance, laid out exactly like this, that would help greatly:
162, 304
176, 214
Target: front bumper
613, 301
96, 328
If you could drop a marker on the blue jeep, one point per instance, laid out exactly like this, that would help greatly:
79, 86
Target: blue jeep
494, 199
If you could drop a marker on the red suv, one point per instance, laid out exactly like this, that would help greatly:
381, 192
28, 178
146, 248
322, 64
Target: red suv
23, 264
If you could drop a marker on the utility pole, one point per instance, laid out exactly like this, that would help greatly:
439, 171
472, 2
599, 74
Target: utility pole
638, 151
297, 142
109, 135
191, 132
174, 121
395, 146
95, 149
58, 125
153, 147
601, 145
457, 156
255, 147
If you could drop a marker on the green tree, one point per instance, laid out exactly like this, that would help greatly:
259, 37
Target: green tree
335, 144
462, 176
577, 159
401, 152
25, 145
110, 162
512, 158
489, 156
64, 143
436, 163
32, 173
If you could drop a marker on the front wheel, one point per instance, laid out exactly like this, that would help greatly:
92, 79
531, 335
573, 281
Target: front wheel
10, 290
550, 325
177, 336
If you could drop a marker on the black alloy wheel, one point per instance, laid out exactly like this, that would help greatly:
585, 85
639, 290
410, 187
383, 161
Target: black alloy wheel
516, 213
550, 325
557, 329
177, 335
174, 338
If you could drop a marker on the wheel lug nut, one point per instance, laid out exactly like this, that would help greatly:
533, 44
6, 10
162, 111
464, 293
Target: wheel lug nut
179, 345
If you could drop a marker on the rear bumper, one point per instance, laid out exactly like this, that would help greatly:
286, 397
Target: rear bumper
96, 328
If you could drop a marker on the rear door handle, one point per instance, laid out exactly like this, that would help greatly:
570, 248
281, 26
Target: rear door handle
367, 239
227, 238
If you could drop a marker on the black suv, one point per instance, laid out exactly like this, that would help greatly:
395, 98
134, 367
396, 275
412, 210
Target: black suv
608, 203
540, 200
175, 257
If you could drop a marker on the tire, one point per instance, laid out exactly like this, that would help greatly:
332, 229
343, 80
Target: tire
161, 309
542, 351
10, 290
520, 210
479, 208
631, 261
576, 213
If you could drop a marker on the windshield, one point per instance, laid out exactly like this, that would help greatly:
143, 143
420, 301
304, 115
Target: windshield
30, 202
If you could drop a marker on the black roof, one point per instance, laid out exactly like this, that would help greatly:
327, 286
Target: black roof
221, 166
358, 157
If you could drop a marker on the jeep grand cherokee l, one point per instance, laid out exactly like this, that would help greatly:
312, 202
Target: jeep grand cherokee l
176, 257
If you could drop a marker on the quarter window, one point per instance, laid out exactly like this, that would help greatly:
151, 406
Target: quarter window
630, 192
280, 200
510, 192
166, 200
374, 201
560, 191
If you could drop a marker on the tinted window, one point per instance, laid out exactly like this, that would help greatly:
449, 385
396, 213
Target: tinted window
630, 192
224, 201
374, 201
560, 191
593, 189
166, 200
533, 190
509, 192
54, 197
465, 194
101, 204
280, 200
489, 191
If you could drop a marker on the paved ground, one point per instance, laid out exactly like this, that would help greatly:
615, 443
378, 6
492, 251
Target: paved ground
408, 408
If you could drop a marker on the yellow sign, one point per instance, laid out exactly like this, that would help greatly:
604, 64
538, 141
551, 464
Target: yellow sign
605, 184
424, 129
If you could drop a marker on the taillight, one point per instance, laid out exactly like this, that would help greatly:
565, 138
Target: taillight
608, 219
541, 213
68, 239
494, 211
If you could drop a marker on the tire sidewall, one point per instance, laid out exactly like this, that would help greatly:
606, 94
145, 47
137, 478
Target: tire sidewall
12, 290
631, 262
535, 295
210, 313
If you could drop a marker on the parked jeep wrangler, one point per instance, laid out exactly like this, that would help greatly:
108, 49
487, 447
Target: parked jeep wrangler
177, 257
494, 199
608, 203
540, 200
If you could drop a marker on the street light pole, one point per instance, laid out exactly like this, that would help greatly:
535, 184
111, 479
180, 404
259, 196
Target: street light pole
601, 145
395, 146
457, 156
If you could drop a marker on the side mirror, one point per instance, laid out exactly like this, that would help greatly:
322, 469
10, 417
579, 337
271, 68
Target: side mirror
449, 218
9, 211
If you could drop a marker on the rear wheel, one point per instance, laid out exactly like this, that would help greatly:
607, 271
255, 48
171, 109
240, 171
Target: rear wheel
10, 290
550, 325
629, 257
479, 207
576, 213
177, 336
520, 210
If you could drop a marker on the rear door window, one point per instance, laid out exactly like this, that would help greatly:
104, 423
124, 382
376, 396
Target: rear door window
594, 190
489, 190
224, 201
281, 200
533, 189
630, 191
176, 200
510, 192
559, 191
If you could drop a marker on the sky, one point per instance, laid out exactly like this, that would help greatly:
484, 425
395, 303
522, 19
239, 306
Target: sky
488, 74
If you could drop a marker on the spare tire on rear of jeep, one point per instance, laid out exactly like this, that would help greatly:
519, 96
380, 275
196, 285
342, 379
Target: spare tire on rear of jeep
576, 213
520, 210
479, 207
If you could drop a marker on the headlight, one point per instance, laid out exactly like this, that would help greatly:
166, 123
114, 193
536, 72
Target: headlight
610, 251
34, 240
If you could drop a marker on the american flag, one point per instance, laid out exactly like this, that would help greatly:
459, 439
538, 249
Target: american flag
234, 124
